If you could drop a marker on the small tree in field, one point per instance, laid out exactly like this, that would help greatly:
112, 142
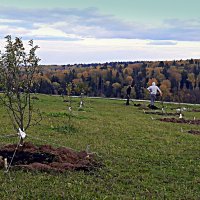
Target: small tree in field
69, 93
17, 70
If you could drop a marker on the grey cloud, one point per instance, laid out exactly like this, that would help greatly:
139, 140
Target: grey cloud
91, 23
158, 42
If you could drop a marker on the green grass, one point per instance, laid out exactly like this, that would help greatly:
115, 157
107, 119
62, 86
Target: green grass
142, 158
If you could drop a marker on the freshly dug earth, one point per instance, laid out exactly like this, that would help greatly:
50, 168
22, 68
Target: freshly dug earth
143, 106
195, 110
194, 132
153, 107
47, 158
161, 113
184, 121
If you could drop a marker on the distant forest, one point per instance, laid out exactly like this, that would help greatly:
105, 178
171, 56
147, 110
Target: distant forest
179, 80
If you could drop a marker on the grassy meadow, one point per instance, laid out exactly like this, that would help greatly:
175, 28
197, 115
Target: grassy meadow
142, 158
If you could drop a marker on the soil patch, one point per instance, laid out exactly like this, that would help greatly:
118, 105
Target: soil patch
183, 121
47, 158
153, 107
194, 132
143, 106
194, 110
161, 113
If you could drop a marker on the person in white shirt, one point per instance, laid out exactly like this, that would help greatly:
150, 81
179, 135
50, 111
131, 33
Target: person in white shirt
153, 89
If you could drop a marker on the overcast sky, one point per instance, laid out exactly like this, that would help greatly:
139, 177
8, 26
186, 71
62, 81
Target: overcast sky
90, 31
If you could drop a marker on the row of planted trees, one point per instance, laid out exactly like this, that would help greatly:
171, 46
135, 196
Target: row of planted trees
21, 75
19, 72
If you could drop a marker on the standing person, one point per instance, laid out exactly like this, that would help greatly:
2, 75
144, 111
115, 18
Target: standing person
153, 89
128, 94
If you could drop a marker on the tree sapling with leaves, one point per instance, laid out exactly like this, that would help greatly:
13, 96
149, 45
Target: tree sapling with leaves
17, 70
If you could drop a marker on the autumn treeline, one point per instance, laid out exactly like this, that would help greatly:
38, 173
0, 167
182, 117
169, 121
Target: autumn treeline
179, 80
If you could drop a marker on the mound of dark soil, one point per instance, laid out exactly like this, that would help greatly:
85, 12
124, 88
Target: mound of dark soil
194, 132
47, 158
161, 113
195, 110
153, 107
141, 106
184, 121
137, 104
